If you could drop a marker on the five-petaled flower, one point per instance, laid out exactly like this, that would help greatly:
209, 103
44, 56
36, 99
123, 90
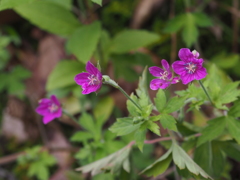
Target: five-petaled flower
49, 109
91, 81
164, 76
190, 67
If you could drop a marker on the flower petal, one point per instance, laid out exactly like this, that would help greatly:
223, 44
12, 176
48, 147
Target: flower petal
158, 83
48, 118
185, 55
179, 67
165, 65
42, 110
187, 78
200, 73
175, 80
155, 71
91, 88
199, 62
92, 69
82, 78
55, 100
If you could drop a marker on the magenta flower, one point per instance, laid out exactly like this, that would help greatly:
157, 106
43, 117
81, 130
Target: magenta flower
190, 67
164, 76
49, 109
91, 81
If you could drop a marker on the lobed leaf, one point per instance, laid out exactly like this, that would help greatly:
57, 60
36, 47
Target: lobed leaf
168, 122
160, 100
233, 127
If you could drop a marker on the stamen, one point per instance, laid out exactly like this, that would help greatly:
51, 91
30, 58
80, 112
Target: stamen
53, 108
163, 75
190, 67
93, 80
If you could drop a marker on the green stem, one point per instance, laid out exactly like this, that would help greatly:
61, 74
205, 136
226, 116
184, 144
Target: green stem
204, 89
111, 82
70, 115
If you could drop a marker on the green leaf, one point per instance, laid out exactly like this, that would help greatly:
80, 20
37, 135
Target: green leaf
175, 24
210, 157
63, 74
174, 104
103, 110
202, 19
190, 31
81, 136
124, 126
132, 109
98, 2
39, 170
87, 122
229, 93
142, 85
168, 122
233, 127
153, 127
159, 166
231, 149
112, 163
183, 160
83, 41
214, 129
64, 3
225, 61
46, 158
160, 100
129, 40
140, 136
21, 73
49, 16
7, 4
234, 110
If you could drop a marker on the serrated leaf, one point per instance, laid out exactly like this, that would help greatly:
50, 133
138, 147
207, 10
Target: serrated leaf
175, 24
83, 41
160, 100
39, 170
139, 137
132, 109
81, 136
124, 126
168, 122
153, 127
190, 31
210, 157
87, 122
233, 127
183, 160
229, 93
113, 162
99, 2
49, 16
8, 4
231, 149
63, 74
142, 84
103, 110
234, 110
129, 40
174, 104
202, 19
159, 166
214, 129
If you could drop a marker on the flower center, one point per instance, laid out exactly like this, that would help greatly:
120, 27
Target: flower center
53, 108
190, 67
163, 75
93, 80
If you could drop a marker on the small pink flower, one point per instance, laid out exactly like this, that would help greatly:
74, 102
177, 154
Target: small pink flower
91, 81
190, 68
164, 76
49, 109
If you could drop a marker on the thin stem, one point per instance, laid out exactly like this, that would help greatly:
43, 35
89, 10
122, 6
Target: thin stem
204, 89
70, 115
129, 97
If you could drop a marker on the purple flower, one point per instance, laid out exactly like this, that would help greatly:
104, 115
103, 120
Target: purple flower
190, 67
91, 81
49, 109
164, 76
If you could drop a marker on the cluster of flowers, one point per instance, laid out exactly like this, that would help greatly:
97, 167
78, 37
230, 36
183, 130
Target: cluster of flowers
189, 68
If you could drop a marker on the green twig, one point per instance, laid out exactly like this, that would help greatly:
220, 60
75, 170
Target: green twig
70, 115
204, 89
